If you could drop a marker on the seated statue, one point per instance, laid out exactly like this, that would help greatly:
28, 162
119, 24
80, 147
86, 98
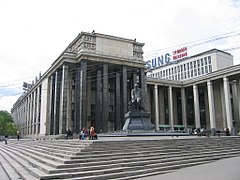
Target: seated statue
136, 101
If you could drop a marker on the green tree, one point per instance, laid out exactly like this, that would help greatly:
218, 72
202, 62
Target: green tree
7, 125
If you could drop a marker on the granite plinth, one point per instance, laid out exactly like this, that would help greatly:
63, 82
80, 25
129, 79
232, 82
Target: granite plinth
138, 121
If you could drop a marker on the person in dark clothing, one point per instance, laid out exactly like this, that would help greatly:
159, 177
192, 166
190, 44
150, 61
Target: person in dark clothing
69, 133
18, 135
6, 138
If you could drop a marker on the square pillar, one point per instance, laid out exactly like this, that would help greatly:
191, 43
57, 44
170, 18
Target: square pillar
196, 106
63, 101
156, 107
105, 98
211, 107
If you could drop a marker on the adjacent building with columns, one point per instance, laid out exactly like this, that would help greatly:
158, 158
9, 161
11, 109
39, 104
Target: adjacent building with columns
90, 84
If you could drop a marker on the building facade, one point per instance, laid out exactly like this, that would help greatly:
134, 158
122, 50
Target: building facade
90, 84
194, 66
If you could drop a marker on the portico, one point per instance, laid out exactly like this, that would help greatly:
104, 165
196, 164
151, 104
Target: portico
208, 102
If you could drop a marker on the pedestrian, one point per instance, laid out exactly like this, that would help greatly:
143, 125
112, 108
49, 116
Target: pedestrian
93, 134
82, 134
6, 138
18, 135
68, 133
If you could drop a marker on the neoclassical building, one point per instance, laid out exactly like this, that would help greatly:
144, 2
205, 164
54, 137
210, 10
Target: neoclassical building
88, 84
91, 81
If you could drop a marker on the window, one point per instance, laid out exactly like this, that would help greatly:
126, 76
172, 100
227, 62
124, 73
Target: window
206, 69
202, 62
195, 72
209, 60
202, 70
194, 64
210, 68
205, 60
199, 72
198, 63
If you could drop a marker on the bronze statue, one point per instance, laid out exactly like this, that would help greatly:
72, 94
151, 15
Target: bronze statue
136, 101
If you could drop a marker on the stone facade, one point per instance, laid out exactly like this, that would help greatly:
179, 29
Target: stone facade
90, 84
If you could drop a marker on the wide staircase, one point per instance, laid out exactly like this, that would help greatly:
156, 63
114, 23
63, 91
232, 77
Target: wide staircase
110, 159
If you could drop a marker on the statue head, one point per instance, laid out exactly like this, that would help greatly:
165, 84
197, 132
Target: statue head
136, 85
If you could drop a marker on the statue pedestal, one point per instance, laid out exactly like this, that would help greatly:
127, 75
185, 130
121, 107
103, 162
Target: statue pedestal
138, 121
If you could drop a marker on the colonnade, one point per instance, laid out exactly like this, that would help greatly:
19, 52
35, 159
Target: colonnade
221, 97
28, 112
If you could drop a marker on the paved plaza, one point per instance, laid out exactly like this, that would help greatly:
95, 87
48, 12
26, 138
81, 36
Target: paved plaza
225, 169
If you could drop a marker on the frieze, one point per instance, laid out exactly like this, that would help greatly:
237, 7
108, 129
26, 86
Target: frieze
137, 51
85, 42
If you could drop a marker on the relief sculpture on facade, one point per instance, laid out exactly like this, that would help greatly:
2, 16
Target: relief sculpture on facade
137, 51
84, 43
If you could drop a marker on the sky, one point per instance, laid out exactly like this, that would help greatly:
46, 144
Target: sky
33, 33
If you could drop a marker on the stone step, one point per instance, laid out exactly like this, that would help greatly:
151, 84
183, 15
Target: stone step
110, 163
154, 159
14, 169
106, 158
121, 172
7, 171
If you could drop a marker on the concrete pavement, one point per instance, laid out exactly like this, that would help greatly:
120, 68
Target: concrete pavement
225, 169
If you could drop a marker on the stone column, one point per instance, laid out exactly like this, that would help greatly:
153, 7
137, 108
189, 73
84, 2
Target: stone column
83, 96
55, 113
235, 107
211, 107
228, 105
143, 85
34, 113
170, 107
235, 101
105, 98
99, 99
161, 106
27, 115
37, 109
184, 109
156, 107
63, 101
196, 106
223, 109
124, 90
238, 101
77, 108
118, 102
49, 120
69, 120
134, 79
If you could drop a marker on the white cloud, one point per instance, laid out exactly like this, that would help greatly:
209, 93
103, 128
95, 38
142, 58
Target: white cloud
7, 102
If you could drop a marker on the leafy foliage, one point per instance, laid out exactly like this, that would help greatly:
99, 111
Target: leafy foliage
7, 125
